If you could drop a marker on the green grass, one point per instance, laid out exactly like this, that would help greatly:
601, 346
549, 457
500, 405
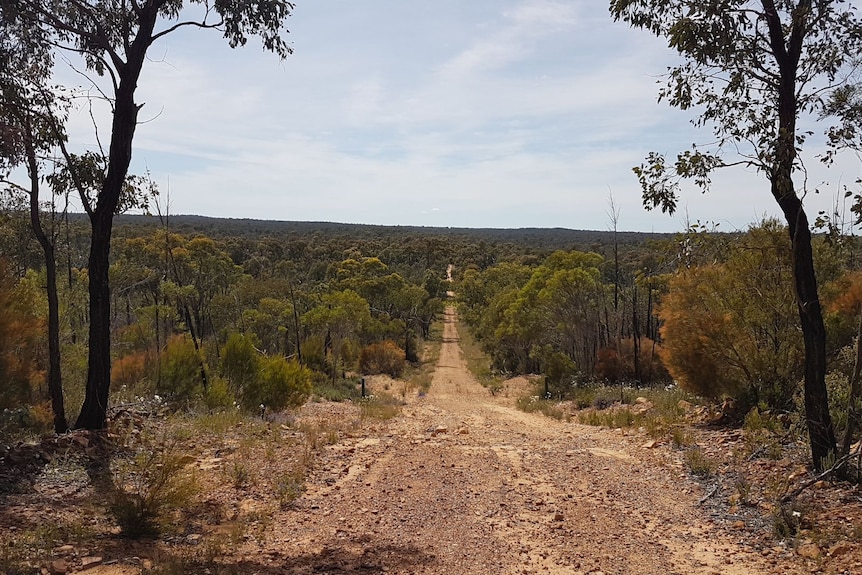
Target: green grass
616, 407
698, 463
338, 390
534, 404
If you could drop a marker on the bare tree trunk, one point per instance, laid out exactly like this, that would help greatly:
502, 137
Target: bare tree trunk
821, 433
55, 379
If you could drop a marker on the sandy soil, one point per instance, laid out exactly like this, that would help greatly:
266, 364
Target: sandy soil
462, 482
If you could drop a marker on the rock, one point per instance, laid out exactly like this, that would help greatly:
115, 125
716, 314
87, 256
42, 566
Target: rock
64, 549
739, 525
641, 408
464, 431
58, 567
439, 429
558, 516
809, 550
839, 549
81, 440
641, 400
651, 444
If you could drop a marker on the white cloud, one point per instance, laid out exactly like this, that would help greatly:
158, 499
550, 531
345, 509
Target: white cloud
484, 113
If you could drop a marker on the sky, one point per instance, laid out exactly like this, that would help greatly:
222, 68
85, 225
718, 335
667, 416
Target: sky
487, 113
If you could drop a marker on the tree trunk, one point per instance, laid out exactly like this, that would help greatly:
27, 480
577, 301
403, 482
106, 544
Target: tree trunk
821, 433
95, 407
55, 378
125, 119
854, 394
787, 51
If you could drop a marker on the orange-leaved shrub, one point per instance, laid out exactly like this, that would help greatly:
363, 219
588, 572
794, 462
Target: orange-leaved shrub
732, 329
383, 357
21, 331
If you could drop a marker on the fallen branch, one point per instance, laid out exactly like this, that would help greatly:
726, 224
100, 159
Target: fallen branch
710, 494
837, 466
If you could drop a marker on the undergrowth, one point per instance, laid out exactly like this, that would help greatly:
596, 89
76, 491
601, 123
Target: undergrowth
417, 377
380, 406
477, 361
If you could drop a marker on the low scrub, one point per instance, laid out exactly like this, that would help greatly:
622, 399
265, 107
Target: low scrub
383, 357
535, 404
380, 406
147, 486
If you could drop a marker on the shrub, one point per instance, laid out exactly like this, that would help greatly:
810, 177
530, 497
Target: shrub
384, 357
146, 487
732, 329
699, 463
652, 370
381, 406
129, 370
281, 383
20, 338
218, 395
239, 362
180, 371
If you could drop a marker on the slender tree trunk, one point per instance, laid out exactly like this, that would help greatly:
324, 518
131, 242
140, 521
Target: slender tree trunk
787, 51
820, 430
94, 409
55, 379
295, 323
636, 337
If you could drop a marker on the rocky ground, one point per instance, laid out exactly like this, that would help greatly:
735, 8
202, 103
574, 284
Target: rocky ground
459, 482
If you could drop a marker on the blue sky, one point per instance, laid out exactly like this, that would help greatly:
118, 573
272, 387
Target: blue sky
488, 113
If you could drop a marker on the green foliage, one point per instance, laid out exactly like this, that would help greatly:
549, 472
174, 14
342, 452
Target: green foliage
559, 369
383, 357
239, 363
218, 394
281, 383
326, 388
698, 463
179, 377
146, 487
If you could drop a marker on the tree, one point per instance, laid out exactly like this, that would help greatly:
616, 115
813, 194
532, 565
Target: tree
113, 39
339, 317
753, 69
30, 116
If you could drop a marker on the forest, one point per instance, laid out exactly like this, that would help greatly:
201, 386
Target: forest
217, 313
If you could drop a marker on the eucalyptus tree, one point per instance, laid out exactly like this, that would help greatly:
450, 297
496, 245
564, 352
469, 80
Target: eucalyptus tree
751, 70
31, 118
113, 39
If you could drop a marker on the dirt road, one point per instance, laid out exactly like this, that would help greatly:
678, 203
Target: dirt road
462, 482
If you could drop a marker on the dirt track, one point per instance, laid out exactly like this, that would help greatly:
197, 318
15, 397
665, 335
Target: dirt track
462, 482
